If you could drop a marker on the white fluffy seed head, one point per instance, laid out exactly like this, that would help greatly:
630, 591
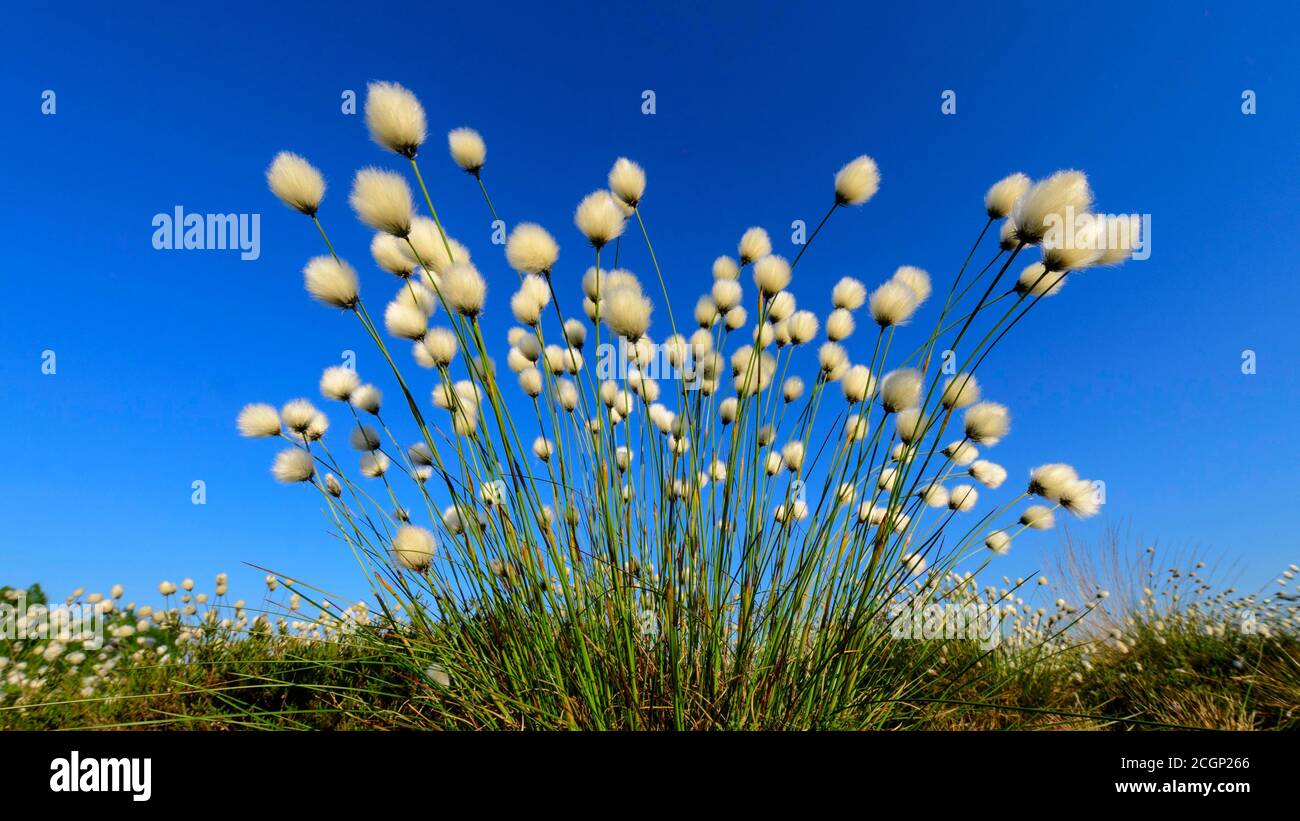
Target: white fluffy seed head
960, 391
735, 318
771, 274
727, 410
1003, 195
724, 267
934, 495
575, 333
364, 438
1051, 480
413, 547
857, 383
1035, 280
856, 428
296, 182
626, 312
1052, 201
405, 321
391, 255
999, 542
987, 422
839, 325
627, 181
849, 294
792, 389
1081, 498
566, 394
293, 465
911, 425
792, 456
754, 245
963, 498
989, 474
802, 326
1074, 250
780, 306
1122, 233
298, 415
916, 279
543, 448
338, 382
531, 249
961, 453
440, 344
464, 289
395, 118
373, 465
258, 421
530, 382
893, 303
367, 398
901, 389
832, 360
430, 249
599, 218
726, 294
1007, 235
467, 149
382, 200
331, 281
1038, 517
857, 181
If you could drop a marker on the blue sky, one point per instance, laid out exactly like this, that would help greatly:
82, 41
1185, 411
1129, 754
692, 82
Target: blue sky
1134, 374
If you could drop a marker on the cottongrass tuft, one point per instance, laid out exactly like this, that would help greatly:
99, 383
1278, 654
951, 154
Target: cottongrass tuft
599, 218
296, 182
857, 181
531, 249
467, 149
293, 465
331, 281
395, 118
382, 200
258, 421
413, 547
627, 181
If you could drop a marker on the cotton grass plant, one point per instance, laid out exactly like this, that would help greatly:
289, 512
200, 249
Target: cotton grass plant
581, 526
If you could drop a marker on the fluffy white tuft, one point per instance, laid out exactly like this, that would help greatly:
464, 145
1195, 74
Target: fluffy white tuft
531, 249
1052, 201
911, 425
627, 181
849, 294
857, 383
1051, 480
293, 465
754, 245
599, 218
1039, 517
367, 398
338, 382
916, 279
857, 181
391, 255
296, 182
258, 421
960, 391
413, 547
1003, 195
987, 422
395, 118
771, 274
382, 200
892, 304
464, 289
989, 474
724, 267
331, 281
467, 149
901, 389
405, 321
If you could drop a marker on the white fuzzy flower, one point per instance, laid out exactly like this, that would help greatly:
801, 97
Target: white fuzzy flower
1071, 251
857, 383
833, 360
464, 289
1081, 498
413, 547
916, 279
627, 181
599, 218
405, 321
382, 200
298, 185
961, 453
849, 294
901, 389
839, 325
1122, 233
989, 474
530, 382
367, 398
395, 118
1051, 203
1003, 195
726, 294
987, 422
960, 391
754, 245
331, 281
727, 410
792, 456
1039, 517
735, 318
467, 149
857, 181
802, 326
934, 495
893, 303
626, 312
999, 542
856, 428
724, 267
434, 251
440, 345
338, 382
258, 421
963, 498
911, 425
531, 249
1035, 280
771, 274
374, 465
1051, 480
391, 255
543, 448
293, 465
298, 414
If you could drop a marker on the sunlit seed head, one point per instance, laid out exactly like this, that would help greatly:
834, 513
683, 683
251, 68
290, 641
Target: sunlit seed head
293, 465
792, 456
338, 382
531, 249
934, 495
391, 255
727, 410
432, 249
1049, 202
763, 334
599, 218
543, 448
395, 118
626, 312
1003, 195
735, 318
901, 389
405, 321
726, 294
792, 389
914, 563
530, 382
440, 344
627, 181
961, 453
893, 303
364, 438
989, 474
367, 398
1038, 517
258, 421
1007, 235
467, 149
413, 547
754, 245
1051, 480
960, 391
1122, 234
464, 289
916, 279
382, 200
374, 465
910, 424
987, 422
856, 428
1081, 498
839, 325
849, 294
297, 414
331, 281
296, 182
857, 181
1036, 281
803, 326
525, 306
766, 435
998, 542
832, 360
724, 267
963, 498
857, 383
771, 274
1072, 252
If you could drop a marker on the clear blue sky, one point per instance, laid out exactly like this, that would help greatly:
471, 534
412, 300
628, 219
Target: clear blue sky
1133, 374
